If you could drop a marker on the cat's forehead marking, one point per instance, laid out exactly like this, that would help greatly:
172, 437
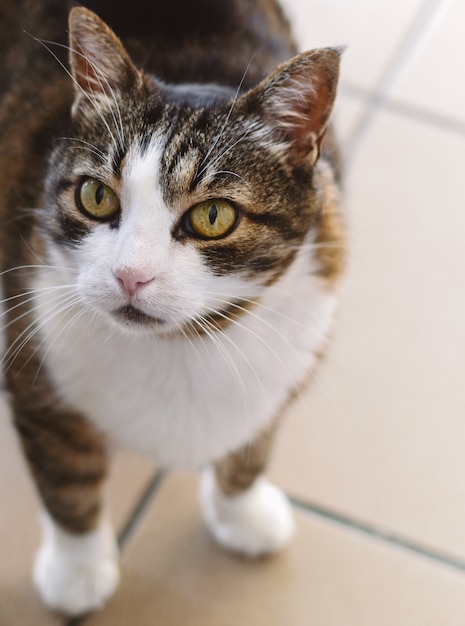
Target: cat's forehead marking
144, 236
183, 171
141, 178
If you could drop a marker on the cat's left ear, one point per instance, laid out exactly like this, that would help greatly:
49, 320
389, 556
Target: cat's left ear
99, 62
296, 100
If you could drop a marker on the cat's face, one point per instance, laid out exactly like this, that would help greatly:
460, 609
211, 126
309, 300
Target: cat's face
175, 207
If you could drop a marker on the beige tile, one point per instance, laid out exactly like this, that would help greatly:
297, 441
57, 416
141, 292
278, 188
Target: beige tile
347, 113
129, 476
19, 529
370, 30
173, 574
381, 433
433, 79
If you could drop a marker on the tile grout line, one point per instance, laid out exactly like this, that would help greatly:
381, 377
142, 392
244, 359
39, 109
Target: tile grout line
372, 531
140, 508
404, 109
378, 533
378, 98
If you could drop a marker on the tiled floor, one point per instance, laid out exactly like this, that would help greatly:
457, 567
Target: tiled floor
374, 453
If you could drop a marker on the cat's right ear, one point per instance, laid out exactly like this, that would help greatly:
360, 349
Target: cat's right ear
100, 65
295, 102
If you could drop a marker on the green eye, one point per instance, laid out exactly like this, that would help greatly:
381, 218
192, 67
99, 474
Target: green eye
97, 200
212, 219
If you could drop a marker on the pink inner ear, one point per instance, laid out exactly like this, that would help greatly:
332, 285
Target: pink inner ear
301, 97
306, 115
99, 62
88, 76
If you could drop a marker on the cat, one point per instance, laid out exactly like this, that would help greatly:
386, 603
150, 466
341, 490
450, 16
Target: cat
172, 246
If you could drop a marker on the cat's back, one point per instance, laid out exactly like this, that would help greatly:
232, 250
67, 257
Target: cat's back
211, 41
204, 41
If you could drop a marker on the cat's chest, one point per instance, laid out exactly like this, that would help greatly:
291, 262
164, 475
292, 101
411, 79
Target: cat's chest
186, 400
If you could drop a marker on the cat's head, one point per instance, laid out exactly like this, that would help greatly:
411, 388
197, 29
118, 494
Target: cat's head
175, 203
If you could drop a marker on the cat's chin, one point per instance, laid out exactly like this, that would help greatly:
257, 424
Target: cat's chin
130, 315
133, 321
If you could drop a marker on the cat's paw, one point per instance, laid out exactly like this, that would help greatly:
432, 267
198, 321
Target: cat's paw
76, 574
256, 522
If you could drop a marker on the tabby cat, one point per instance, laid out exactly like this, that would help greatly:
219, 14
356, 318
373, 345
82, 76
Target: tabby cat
171, 250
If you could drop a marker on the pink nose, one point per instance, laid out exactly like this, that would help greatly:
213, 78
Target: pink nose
131, 280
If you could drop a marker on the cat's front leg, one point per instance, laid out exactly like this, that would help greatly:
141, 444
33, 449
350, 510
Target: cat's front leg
76, 568
244, 511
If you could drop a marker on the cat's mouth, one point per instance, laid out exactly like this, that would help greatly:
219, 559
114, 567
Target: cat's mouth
131, 315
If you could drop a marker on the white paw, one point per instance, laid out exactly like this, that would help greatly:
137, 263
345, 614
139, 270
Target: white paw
76, 574
258, 521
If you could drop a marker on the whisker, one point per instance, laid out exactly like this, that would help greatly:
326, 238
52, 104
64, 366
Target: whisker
193, 344
87, 146
26, 267
100, 75
217, 138
56, 337
219, 172
225, 300
44, 42
211, 331
35, 326
227, 149
251, 332
309, 368
236, 347
32, 293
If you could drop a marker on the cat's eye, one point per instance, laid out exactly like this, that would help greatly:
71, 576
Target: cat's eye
97, 200
212, 219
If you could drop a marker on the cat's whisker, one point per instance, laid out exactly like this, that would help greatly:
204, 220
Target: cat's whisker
339, 245
234, 319
17, 319
225, 123
105, 166
33, 252
29, 311
241, 352
101, 76
310, 369
88, 147
224, 300
32, 293
81, 310
220, 172
110, 335
310, 326
211, 164
211, 331
34, 267
35, 326
193, 344
259, 305
46, 44
34, 329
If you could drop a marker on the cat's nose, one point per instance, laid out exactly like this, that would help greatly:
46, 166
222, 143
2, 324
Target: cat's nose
131, 280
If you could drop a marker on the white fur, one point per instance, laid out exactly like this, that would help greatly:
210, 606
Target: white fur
184, 401
256, 522
76, 573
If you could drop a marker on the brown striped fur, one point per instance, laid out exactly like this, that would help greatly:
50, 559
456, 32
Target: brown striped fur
237, 471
